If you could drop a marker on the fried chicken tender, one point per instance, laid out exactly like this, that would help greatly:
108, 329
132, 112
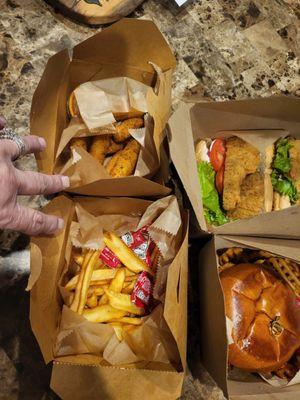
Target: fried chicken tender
79, 142
124, 161
114, 147
251, 198
241, 159
99, 147
295, 164
122, 133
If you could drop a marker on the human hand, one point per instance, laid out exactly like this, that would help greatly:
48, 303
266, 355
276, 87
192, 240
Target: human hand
14, 182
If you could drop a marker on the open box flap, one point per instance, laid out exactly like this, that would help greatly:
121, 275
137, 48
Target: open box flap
77, 382
129, 41
44, 107
175, 311
192, 122
132, 186
45, 302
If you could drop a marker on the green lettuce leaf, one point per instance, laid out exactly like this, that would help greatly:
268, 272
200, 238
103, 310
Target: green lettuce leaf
282, 160
284, 185
280, 178
210, 198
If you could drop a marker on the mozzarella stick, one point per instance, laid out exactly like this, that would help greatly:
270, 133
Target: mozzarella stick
122, 133
99, 147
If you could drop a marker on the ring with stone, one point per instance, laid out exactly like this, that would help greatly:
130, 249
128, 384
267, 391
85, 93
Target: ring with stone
7, 133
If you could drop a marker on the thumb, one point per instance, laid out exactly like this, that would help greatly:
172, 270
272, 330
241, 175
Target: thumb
33, 222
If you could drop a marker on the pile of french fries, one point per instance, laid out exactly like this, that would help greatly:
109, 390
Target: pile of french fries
117, 152
102, 294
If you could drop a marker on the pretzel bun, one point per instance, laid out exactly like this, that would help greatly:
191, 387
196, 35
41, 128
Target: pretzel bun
265, 318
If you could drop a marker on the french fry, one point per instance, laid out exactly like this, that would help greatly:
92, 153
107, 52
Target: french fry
103, 300
127, 328
104, 282
122, 133
103, 313
117, 283
121, 116
118, 330
129, 320
130, 278
79, 281
124, 161
98, 276
123, 302
86, 281
125, 254
92, 301
98, 290
100, 145
129, 287
129, 273
78, 258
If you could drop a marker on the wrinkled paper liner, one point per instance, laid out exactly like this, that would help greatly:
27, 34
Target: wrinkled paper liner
269, 378
98, 100
123, 93
152, 341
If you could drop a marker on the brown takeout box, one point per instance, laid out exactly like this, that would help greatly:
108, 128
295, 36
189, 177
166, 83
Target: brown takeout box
264, 117
82, 376
213, 337
130, 48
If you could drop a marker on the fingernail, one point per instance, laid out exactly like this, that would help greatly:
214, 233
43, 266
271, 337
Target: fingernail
60, 224
65, 181
42, 142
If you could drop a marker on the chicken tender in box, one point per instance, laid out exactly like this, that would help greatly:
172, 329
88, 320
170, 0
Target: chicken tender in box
250, 305
109, 298
241, 164
103, 112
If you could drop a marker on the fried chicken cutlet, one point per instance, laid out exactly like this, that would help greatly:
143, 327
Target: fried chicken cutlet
241, 160
252, 197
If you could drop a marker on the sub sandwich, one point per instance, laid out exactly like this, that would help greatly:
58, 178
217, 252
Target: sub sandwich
237, 181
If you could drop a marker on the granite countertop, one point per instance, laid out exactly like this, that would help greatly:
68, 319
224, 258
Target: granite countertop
226, 49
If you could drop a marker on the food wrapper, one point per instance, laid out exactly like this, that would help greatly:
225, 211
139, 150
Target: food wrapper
142, 292
151, 341
99, 100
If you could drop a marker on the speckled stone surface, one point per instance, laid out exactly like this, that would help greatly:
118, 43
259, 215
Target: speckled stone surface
226, 49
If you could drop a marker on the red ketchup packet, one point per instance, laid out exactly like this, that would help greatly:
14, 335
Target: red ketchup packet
109, 258
142, 292
139, 241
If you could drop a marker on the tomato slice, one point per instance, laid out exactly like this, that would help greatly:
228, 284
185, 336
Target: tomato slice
217, 154
220, 179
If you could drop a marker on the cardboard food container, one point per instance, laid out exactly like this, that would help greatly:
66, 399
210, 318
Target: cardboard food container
130, 48
261, 121
82, 376
213, 336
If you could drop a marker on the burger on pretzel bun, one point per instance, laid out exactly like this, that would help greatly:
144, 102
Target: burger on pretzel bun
265, 318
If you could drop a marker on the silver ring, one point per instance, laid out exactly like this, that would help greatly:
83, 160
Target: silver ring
7, 133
